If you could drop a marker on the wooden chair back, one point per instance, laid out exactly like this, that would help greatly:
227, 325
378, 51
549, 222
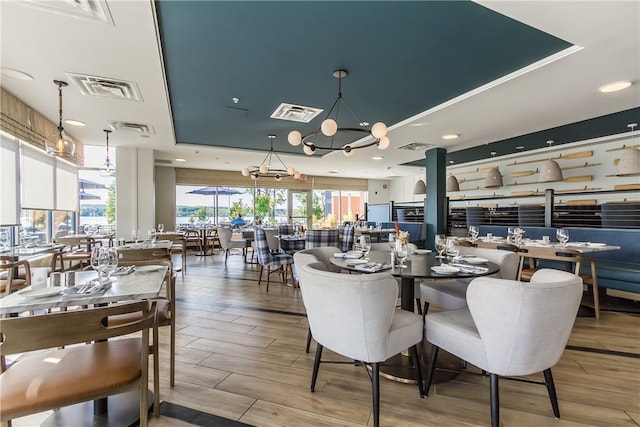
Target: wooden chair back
9, 280
143, 254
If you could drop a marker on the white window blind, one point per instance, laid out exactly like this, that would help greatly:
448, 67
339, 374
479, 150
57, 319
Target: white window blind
66, 186
9, 177
37, 179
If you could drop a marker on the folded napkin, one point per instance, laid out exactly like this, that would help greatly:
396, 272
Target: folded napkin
347, 255
473, 269
372, 267
91, 288
123, 270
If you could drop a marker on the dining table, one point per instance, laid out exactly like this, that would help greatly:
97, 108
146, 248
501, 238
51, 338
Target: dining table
140, 283
418, 266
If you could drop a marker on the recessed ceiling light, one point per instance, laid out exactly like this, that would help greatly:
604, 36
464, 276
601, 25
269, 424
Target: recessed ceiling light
450, 136
520, 147
377, 158
16, 74
179, 160
451, 162
144, 136
75, 122
235, 100
417, 124
335, 171
614, 87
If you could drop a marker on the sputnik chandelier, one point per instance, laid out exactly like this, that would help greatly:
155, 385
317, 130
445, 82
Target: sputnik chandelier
268, 169
329, 128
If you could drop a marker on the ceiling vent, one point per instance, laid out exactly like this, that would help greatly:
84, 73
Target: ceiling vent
295, 113
163, 162
95, 10
138, 128
414, 146
105, 87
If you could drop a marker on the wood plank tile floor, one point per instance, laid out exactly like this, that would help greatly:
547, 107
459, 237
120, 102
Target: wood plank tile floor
240, 356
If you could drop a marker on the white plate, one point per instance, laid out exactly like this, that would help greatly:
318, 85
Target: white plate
422, 251
40, 292
148, 268
359, 253
475, 260
597, 245
357, 261
444, 269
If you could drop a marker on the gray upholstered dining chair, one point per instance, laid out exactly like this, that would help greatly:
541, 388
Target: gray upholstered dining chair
509, 328
227, 243
452, 294
355, 316
319, 254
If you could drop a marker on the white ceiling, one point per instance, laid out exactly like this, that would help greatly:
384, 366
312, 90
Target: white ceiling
47, 45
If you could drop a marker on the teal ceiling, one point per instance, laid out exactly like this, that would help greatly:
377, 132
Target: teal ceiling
403, 58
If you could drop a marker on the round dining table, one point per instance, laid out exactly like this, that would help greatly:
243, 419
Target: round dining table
416, 266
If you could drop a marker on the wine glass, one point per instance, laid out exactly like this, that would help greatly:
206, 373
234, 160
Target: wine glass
151, 235
392, 240
365, 245
160, 228
440, 244
402, 251
134, 235
473, 232
96, 253
562, 234
4, 238
109, 258
452, 248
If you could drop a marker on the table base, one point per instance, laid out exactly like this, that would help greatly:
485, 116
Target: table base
399, 368
123, 410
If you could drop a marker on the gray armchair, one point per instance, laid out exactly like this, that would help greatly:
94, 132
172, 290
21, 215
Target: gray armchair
355, 316
510, 328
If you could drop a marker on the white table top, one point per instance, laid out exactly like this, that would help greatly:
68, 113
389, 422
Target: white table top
134, 286
582, 247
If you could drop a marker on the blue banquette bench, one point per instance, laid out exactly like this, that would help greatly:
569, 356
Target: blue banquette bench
617, 269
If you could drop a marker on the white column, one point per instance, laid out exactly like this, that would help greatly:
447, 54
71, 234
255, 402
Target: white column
135, 194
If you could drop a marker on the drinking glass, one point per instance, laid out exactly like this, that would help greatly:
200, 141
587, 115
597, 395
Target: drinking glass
452, 248
392, 240
96, 252
134, 235
562, 234
440, 244
160, 228
402, 251
151, 235
365, 245
109, 258
473, 232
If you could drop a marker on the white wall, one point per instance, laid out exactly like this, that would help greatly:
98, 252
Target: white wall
135, 195
379, 191
602, 175
165, 190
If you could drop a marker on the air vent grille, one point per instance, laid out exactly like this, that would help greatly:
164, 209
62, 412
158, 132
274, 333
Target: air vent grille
106, 88
295, 113
95, 10
138, 128
414, 146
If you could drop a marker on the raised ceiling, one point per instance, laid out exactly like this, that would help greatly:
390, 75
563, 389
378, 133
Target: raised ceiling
490, 71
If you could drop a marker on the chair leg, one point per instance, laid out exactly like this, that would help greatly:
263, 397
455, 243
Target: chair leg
418, 368
226, 255
156, 372
375, 388
431, 369
495, 400
172, 355
551, 388
419, 305
425, 308
268, 276
306, 349
594, 283
316, 367
260, 278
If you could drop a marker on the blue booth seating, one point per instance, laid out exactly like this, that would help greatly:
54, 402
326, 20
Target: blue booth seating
417, 231
617, 269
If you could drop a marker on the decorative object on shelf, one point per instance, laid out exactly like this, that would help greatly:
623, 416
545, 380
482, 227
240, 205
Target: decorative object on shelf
452, 183
107, 169
420, 187
629, 164
577, 155
267, 169
329, 128
60, 144
493, 179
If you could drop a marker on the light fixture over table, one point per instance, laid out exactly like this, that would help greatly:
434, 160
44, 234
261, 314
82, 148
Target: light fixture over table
60, 144
420, 187
629, 164
107, 169
329, 128
267, 169
550, 170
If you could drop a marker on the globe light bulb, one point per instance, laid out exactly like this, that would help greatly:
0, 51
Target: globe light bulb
348, 151
254, 176
329, 127
294, 138
291, 171
379, 130
296, 175
264, 169
309, 150
245, 172
383, 144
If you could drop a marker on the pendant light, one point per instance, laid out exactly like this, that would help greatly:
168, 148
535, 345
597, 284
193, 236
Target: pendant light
107, 169
452, 183
629, 164
60, 144
550, 170
420, 187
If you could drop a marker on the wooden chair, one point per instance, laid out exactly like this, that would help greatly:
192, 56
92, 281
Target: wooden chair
193, 237
166, 309
77, 249
573, 260
178, 246
81, 373
9, 275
